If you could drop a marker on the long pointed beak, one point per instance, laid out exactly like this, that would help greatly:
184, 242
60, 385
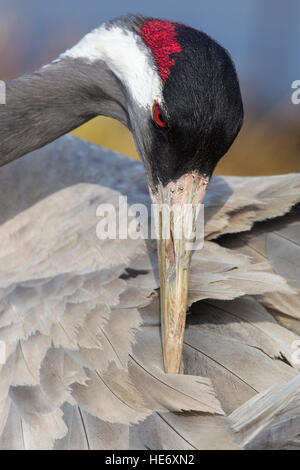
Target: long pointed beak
177, 206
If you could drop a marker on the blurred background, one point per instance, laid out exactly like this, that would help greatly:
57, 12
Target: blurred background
262, 36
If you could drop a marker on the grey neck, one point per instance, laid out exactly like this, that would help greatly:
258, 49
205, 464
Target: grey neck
55, 100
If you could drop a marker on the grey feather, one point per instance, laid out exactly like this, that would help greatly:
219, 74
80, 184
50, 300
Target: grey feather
80, 315
270, 420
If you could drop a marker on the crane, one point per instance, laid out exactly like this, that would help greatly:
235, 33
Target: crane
79, 316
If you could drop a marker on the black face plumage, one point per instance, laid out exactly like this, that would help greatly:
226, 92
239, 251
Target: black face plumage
203, 109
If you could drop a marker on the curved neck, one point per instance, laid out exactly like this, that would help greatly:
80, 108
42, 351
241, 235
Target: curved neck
55, 100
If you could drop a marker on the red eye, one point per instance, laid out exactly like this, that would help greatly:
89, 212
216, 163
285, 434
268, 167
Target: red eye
157, 116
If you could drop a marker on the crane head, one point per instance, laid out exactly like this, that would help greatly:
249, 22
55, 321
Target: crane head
192, 124
176, 89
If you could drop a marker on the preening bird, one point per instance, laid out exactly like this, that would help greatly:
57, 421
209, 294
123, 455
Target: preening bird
80, 317
177, 91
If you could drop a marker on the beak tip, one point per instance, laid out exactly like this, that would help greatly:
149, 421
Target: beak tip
172, 359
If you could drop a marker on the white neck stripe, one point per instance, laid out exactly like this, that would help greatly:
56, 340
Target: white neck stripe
128, 58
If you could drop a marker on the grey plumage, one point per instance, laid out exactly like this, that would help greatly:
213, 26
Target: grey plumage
38, 109
276, 243
80, 316
270, 420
